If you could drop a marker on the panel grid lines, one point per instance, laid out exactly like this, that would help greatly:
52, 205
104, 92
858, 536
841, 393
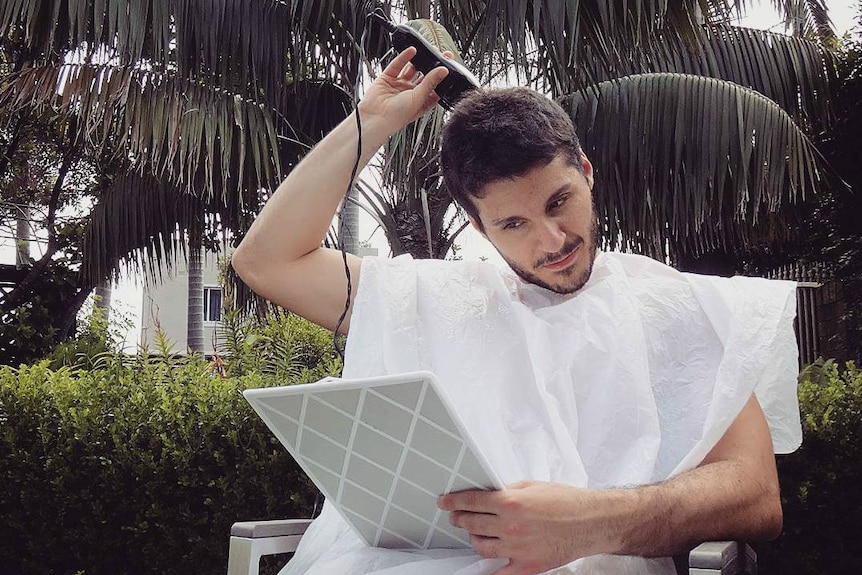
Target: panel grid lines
355, 419
390, 401
401, 509
382, 452
415, 412
404, 451
349, 446
301, 419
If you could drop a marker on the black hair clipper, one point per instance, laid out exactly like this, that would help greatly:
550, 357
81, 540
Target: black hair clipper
454, 85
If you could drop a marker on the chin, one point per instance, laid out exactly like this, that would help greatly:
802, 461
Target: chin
566, 281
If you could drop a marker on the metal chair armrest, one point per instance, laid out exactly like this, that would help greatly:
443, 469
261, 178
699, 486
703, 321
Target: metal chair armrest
251, 540
271, 528
722, 558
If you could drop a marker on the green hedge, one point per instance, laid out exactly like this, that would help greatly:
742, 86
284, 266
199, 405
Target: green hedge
140, 465
821, 483
134, 466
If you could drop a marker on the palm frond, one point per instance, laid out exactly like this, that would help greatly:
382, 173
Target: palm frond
136, 221
555, 37
200, 38
177, 127
568, 45
796, 73
686, 164
807, 19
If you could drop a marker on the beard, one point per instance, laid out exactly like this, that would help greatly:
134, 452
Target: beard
572, 278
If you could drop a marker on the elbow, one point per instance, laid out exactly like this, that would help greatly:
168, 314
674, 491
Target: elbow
771, 516
242, 263
774, 520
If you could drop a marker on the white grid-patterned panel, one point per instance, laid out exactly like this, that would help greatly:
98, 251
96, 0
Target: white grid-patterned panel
382, 454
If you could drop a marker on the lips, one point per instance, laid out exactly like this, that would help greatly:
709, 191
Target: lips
563, 263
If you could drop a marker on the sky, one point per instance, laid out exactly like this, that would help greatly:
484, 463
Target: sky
128, 295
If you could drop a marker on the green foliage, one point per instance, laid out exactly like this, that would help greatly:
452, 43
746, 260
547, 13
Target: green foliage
280, 346
28, 331
140, 464
820, 482
97, 337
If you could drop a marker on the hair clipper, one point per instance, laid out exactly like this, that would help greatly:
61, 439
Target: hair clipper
459, 80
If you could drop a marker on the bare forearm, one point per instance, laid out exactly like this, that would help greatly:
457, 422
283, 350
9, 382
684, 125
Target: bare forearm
718, 501
280, 258
539, 525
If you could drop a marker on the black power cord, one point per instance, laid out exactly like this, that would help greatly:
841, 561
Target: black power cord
450, 89
341, 243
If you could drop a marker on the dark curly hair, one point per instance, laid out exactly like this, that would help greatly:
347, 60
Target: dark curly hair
502, 133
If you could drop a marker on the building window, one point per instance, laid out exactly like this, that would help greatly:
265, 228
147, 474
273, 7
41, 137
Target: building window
212, 304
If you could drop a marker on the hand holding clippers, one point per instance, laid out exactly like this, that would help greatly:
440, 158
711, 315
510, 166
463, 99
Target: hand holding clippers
454, 85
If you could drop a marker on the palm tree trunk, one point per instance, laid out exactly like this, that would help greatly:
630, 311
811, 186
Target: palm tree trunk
103, 301
195, 320
348, 232
67, 323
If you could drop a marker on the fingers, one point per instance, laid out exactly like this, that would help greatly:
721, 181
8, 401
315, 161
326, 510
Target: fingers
408, 72
474, 500
398, 63
487, 547
483, 524
403, 69
515, 569
431, 80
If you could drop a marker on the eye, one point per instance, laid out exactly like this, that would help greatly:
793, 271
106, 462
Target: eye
557, 203
513, 224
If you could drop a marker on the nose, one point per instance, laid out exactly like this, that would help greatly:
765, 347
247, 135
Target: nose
551, 237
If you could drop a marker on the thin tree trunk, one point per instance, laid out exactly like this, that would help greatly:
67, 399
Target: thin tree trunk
12, 147
423, 9
21, 291
22, 238
70, 314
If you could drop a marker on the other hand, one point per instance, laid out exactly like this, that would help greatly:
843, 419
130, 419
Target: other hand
536, 525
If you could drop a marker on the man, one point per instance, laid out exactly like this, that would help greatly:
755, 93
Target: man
615, 393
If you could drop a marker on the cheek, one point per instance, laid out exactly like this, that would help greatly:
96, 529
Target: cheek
581, 216
513, 247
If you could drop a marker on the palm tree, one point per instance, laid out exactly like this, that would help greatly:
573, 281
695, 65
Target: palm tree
642, 81
181, 109
197, 104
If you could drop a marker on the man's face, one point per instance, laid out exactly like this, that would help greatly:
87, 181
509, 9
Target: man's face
543, 224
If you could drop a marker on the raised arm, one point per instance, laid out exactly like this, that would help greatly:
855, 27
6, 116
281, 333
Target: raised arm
281, 257
733, 494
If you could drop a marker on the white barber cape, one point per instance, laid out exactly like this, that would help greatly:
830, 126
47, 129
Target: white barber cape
629, 381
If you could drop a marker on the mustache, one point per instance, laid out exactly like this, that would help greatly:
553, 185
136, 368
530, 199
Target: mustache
566, 250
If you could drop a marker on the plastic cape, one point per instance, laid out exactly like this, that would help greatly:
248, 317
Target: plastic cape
629, 381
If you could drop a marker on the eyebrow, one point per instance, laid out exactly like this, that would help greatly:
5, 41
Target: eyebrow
506, 219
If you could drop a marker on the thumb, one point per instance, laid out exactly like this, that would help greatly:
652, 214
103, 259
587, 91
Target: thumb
431, 81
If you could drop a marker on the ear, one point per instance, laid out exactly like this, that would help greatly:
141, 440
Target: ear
476, 225
588, 169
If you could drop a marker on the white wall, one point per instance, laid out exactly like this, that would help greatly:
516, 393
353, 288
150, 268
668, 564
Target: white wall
165, 305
